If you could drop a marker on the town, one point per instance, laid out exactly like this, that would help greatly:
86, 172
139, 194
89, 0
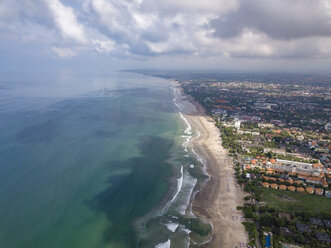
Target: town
278, 133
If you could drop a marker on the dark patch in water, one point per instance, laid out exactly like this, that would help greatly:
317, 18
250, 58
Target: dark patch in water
133, 195
44, 132
136, 92
123, 92
104, 134
132, 92
123, 118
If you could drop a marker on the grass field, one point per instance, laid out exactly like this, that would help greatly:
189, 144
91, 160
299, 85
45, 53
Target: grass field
292, 202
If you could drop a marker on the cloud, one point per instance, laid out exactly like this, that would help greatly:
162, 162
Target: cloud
66, 21
279, 19
64, 52
218, 6
103, 45
147, 29
238, 28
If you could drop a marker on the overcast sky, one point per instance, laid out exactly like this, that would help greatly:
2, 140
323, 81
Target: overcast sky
168, 34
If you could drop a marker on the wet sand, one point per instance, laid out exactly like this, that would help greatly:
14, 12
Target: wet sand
219, 197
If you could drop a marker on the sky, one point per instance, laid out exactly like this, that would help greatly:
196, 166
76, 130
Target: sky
237, 35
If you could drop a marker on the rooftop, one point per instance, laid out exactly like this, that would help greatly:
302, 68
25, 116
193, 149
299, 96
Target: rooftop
323, 237
303, 228
316, 222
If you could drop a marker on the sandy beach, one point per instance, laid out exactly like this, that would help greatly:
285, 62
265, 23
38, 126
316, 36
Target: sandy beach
219, 197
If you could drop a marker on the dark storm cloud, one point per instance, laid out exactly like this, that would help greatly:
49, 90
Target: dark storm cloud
279, 19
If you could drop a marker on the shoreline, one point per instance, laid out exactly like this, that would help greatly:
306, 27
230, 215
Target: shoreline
218, 197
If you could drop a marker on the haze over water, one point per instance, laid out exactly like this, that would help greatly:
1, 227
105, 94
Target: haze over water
81, 158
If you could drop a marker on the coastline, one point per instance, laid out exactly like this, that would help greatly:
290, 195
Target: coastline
218, 197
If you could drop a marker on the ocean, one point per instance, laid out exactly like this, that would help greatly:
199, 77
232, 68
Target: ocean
95, 160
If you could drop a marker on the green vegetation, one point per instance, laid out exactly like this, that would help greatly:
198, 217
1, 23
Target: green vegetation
291, 202
293, 158
264, 216
272, 221
229, 139
252, 232
249, 125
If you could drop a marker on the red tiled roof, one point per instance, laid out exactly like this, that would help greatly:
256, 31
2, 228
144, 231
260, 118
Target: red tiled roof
265, 184
282, 187
291, 188
318, 191
300, 189
309, 190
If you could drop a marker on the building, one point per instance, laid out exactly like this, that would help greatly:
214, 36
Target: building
321, 150
237, 124
290, 181
324, 237
285, 232
274, 186
327, 223
300, 189
265, 185
285, 216
327, 194
219, 112
299, 164
310, 190
265, 125
282, 187
325, 183
316, 222
318, 167
291, 188
303, 228
319, 191
317, 180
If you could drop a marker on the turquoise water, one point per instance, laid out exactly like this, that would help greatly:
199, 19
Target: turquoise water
91, 161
